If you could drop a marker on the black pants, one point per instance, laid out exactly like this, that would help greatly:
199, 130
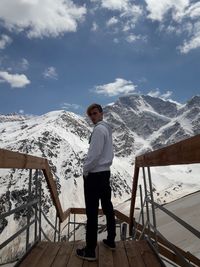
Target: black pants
97, 186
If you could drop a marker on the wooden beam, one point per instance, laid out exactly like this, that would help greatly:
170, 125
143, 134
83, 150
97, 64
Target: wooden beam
165, 249
118, 214
53, 190
66, 214
184, 152
12, 159
171, 256
121, 216
83, 211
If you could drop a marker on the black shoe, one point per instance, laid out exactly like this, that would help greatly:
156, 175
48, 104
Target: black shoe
108, 244
86, 254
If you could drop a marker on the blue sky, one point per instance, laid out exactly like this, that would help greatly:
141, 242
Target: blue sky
57, 54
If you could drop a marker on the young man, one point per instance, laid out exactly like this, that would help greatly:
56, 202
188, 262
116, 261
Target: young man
96, 176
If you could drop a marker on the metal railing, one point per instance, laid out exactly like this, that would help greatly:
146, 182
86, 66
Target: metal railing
148, 227
183, 152
76, 225
34, 216
33, 207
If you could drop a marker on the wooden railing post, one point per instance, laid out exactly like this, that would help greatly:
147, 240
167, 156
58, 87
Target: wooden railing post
36, 206
28, 209
40, 207
146, 196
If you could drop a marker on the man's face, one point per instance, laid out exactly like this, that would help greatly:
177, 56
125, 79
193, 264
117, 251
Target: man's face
95, 115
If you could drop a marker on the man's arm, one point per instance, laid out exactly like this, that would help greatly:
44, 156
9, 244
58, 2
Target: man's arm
95, 150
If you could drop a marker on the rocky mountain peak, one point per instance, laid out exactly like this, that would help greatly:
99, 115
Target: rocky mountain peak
194, 101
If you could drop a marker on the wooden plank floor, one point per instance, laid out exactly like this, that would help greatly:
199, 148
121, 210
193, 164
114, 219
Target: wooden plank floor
127, 254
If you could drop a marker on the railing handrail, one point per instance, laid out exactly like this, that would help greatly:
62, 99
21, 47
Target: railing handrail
12, 159
186, 151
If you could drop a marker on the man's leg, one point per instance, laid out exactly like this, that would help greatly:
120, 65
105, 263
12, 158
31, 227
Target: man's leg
107, 205
92, 205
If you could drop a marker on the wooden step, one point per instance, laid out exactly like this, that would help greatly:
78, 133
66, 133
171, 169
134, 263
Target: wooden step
127, 254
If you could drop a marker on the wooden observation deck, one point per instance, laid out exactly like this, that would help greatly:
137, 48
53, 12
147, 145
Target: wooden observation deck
62, 254
143, 246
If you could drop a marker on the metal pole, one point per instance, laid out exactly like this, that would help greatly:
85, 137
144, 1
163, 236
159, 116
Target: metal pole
68, 226
147, 205
36, 196
59, 229
152, 205
120, 228
55, 228
124, 230
28, 209
136, 225
141, 203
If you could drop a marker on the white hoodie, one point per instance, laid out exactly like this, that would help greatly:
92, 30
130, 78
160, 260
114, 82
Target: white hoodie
100, 153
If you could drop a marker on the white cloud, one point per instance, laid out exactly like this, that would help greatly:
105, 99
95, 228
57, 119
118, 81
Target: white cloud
69, 106
154, 93
193, 41
14, 66
21, 111
4, 41
24, 64
115, 4
158, 9
15, 80
193, 10
126, 8
185, 19
94, 27
157, 93
112, 21
119, 86
132, 38
41, 18
189, 45
50, 73
167, 95
116, 40
133, 12
126, 15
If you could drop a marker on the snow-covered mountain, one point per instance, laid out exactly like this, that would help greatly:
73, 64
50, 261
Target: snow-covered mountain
140, 123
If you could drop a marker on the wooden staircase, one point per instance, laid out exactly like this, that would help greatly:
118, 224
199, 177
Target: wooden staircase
63, 254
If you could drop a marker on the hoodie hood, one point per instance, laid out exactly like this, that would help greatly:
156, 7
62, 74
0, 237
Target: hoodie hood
105, 124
